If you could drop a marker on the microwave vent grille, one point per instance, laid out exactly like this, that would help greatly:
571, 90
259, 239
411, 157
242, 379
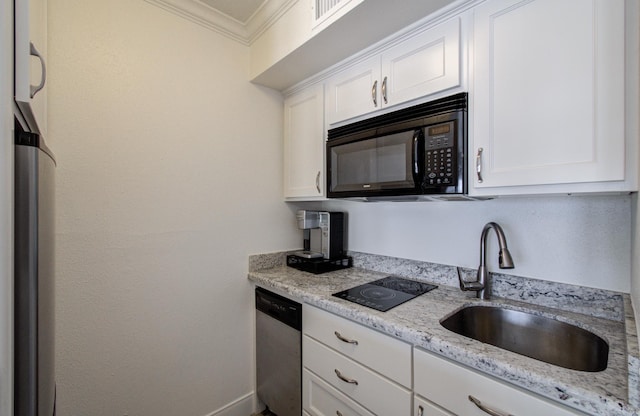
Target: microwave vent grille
323, 7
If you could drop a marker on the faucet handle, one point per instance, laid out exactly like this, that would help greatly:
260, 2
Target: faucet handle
464, 285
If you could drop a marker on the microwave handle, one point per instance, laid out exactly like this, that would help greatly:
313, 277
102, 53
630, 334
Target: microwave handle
418, 138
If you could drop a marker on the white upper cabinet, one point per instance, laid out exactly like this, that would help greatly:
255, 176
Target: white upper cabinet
304, 144
354, 91
422, 65
30, 70
548, 98
426, 63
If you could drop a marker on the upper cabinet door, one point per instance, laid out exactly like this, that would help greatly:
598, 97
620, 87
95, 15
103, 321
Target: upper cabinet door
304, 144
420, 65
423, 65
548, 99
354, 91
30, 57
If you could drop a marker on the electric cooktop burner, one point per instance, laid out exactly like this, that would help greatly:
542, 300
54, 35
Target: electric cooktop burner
385, 293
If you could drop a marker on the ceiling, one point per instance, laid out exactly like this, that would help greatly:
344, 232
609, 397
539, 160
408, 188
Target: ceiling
240, 20
240, 10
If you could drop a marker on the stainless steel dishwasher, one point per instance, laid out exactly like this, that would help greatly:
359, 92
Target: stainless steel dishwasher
278, 353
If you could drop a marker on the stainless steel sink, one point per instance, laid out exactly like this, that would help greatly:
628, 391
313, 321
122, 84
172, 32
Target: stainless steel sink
534, 336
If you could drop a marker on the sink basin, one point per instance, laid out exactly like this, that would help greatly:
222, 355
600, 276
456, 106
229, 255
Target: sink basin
534, 336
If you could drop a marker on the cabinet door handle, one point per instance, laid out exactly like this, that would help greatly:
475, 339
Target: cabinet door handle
486, 409
343, 339
345, 379
338, 413
318, 182
479, 164
420, 411
374, 93
384, 90
35, 88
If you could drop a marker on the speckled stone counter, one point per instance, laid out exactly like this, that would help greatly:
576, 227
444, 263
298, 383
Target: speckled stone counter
613, 391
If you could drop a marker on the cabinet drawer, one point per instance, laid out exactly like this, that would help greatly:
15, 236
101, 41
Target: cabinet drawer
422, 407
449, 385
382, 353
376, 393
320, 399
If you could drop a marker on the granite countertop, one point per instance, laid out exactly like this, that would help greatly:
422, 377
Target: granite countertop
612, 391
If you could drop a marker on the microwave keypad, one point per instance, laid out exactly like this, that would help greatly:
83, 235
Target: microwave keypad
440, 165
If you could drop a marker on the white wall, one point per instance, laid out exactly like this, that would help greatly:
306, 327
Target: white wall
169, 175
6, 207
576, 240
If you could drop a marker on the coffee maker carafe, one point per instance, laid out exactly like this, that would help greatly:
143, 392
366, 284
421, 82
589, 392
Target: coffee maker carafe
323, 234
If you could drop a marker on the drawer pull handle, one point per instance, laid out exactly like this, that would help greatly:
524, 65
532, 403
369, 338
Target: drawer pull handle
343, 339
486, 409
420, 411
345, 379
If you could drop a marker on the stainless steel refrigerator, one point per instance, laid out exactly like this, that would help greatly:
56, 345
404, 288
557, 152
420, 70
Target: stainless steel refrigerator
34, 378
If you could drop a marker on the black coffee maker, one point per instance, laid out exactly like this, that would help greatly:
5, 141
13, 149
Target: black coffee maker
323, 242
323, 234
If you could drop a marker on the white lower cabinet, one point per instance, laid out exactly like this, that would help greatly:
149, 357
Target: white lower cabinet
423, 407
347, 364
352, 370
454, 388
377, 393
323, 400
379, 352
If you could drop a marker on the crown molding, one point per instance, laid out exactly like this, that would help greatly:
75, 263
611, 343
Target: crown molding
266, 16
210, 18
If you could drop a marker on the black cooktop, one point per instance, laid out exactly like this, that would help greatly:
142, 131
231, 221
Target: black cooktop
385, 293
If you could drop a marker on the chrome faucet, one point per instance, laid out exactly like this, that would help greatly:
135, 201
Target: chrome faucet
482, 285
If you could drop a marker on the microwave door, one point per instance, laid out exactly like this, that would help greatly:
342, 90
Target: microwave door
381, 165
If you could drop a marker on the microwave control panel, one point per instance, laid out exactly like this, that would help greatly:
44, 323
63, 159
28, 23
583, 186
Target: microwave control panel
440, 156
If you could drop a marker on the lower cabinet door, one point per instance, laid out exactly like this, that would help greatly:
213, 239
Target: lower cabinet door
465, 392
423, 407
320, 399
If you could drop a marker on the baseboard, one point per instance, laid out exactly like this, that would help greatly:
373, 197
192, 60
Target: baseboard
242, 406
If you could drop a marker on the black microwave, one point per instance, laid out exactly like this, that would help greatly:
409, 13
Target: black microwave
420, 150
